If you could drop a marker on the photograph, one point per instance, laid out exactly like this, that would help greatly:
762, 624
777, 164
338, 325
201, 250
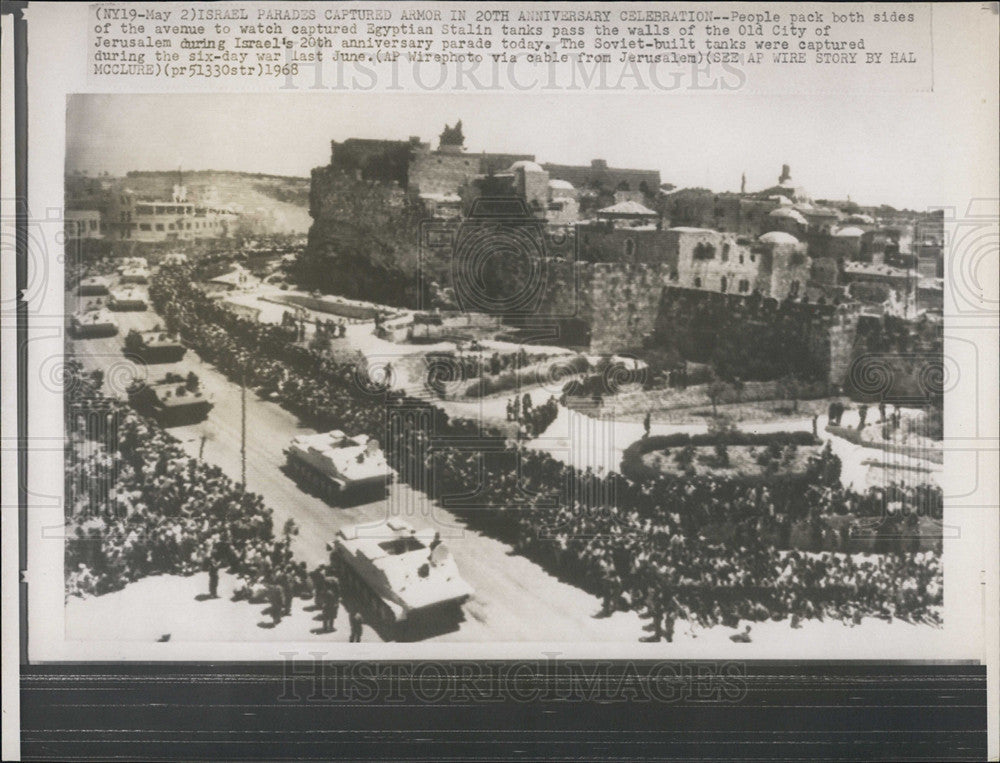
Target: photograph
443, 368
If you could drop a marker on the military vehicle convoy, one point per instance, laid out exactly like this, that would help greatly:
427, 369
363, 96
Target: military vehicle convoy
154, 346
343, 470
405, 581
126, 298
173, 401
90, 324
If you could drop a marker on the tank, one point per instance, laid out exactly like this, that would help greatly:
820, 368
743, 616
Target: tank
95, 286
343, 470
155, 347
126, 298
134, 275
172, 401
405, 581
132, 262
93, 323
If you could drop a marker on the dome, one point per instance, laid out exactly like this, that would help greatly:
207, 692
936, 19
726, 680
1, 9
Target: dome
778, 237
861, 220
789, 213
848, 232
562, 185
526, 166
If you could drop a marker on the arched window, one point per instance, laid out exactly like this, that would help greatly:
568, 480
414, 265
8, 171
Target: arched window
725, 252
723, 284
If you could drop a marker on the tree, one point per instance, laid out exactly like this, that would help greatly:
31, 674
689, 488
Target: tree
133, 342
789, 387
715, 390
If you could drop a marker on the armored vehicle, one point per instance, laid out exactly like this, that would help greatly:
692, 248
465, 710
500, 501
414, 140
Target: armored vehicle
154, 346
132, 262
95, 286
344, 470
172, 401
134, 275
127, 298
92, 323
405, 581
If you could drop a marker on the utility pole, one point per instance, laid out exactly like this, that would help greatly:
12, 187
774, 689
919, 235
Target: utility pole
243, 426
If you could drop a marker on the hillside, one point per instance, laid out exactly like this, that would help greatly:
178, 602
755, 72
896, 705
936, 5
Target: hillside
269, 203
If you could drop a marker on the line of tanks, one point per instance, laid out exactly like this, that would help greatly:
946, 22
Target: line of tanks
404, 580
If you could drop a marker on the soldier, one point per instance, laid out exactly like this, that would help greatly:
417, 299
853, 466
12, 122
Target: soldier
213, 576
356, 627
646, 424
276, 597
331, 605
669, 618
862, 416
285, 581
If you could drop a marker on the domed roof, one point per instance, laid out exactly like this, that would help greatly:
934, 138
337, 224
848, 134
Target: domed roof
526, 166
563, 185
778, 237
790, 213
849, 232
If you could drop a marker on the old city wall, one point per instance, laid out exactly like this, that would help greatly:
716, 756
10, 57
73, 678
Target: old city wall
441, 172
625, 300
617, 302
749, 337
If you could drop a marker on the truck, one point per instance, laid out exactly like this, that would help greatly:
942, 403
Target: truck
342, 470
173, 401
405, 581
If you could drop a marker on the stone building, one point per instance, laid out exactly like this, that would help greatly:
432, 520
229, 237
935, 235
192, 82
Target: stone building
600, 176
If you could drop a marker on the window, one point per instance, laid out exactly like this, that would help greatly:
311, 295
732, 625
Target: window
744, 285
697, 283
170, 226
629, 247
723, 284
159, 226
741, 258
704, 251
793, 289
145, 226
725, 252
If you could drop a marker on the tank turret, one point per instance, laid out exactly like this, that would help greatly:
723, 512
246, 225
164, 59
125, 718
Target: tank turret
405, 580
342, 469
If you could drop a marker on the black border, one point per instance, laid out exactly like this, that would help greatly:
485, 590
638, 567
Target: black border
517, 711
472, 710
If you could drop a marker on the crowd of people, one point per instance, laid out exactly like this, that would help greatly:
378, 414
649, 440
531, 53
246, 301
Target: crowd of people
705, 549
137, 505
532, 420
